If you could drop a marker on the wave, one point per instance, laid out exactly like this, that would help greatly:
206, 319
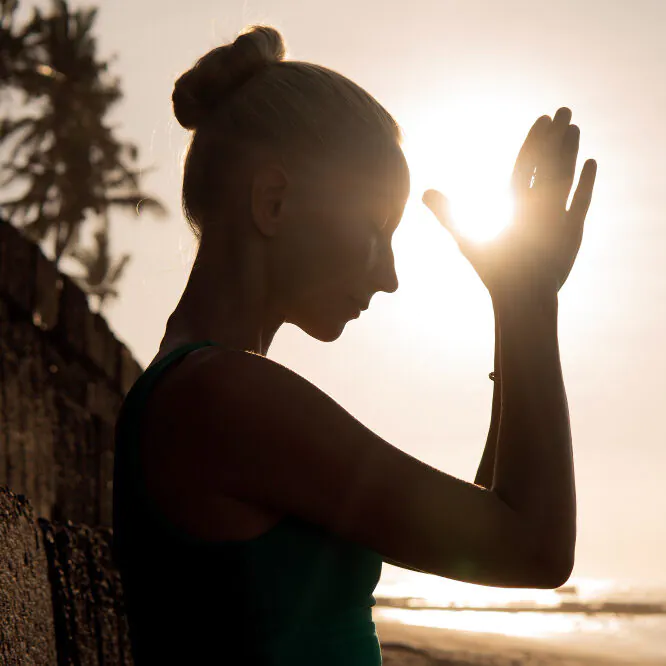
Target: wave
586, 607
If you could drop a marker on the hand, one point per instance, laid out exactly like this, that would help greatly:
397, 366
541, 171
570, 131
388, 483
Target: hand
538, 249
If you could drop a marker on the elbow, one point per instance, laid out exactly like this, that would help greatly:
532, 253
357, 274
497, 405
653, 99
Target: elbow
552, 570
553, 577
544, 551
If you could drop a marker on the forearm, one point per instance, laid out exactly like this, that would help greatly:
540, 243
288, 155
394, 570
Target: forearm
486, 470
533, 471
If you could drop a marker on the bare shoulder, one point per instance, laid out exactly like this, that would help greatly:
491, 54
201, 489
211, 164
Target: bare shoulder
162, 454
259, 432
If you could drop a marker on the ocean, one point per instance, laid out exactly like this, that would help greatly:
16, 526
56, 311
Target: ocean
599, 617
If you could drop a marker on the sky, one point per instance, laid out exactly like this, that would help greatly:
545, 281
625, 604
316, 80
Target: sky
465, 80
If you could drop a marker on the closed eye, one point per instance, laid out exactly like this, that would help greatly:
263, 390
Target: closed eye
379, 225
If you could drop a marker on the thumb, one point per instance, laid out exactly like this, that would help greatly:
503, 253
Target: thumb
439, 206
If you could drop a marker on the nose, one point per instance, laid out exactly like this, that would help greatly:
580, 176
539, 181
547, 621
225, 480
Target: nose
386, 279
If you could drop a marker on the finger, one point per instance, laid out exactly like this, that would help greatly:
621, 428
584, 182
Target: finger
567, 163
583, 194
439, 206
548, 165
560, 124
527, 156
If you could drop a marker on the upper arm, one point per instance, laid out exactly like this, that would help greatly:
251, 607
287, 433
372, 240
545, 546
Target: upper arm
247, 427
402, 565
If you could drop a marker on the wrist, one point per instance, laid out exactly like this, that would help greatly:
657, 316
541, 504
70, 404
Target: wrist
527, 314
523, 299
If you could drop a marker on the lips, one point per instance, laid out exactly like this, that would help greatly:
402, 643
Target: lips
360, 305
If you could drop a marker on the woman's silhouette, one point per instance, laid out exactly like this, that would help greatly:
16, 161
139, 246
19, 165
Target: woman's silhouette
252, 513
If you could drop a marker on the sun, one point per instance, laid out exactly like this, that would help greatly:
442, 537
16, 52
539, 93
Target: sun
453, 146
481, 218
468, 159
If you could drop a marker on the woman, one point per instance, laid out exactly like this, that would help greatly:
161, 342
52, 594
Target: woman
252, 513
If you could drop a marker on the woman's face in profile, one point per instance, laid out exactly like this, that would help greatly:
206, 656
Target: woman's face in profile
337, 250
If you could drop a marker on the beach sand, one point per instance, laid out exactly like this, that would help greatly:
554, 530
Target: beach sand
408, 645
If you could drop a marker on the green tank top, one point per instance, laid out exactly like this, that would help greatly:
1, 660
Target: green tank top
296, 595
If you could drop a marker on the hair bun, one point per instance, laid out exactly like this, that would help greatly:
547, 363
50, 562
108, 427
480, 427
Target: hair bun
218, 73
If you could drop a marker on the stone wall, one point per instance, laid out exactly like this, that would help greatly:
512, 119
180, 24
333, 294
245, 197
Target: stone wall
63, 375
61, 600
62, 378
27, 633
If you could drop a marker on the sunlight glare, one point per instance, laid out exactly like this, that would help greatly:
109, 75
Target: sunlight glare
468, 159
464, 143
481, 218
451, 145
525, 625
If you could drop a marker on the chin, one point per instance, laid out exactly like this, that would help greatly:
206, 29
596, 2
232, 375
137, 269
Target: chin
324, 331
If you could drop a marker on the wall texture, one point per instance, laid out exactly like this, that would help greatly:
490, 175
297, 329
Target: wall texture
61, 601
62, 378
63, 375
27, 633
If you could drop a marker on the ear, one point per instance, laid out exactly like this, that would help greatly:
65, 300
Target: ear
269, 187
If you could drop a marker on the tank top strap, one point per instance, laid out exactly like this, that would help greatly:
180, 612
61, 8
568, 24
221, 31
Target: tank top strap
139, 391
155, 370
128, 426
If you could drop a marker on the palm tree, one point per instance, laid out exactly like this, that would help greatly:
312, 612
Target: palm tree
70, 163
101, 275
12, 42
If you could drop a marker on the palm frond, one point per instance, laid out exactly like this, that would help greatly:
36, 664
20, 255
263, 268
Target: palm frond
117, 272
64, 154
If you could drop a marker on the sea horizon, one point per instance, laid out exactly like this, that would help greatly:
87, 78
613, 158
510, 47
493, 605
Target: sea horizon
599, 616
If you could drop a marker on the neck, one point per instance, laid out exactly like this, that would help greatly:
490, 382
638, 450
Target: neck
226, 300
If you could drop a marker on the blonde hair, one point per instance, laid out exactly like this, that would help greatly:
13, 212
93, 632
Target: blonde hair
246, 93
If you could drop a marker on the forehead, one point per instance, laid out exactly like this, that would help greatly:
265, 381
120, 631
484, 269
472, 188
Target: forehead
367, 180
